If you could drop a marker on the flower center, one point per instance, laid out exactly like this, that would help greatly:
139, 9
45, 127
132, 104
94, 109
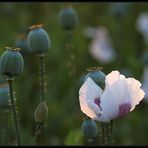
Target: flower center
124, 109
97, 102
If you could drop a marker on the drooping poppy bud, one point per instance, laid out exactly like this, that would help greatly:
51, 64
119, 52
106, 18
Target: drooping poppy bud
41, 112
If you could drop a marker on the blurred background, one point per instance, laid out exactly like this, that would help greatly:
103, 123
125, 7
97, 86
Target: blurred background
109, 35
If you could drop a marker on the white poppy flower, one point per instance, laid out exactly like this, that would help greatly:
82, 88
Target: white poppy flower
119, 97
101, 47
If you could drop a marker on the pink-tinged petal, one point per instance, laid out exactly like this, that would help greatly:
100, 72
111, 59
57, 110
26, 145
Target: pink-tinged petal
137, 94
113, 77
87, 94
91, 89
114, 96
124, 109
85, 108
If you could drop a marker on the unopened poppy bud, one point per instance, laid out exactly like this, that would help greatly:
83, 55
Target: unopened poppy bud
97, 75
38, 39
41, 112
11, 62
89, 129
68, 18
4, 96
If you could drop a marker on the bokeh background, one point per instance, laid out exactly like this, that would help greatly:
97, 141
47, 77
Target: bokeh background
63, 126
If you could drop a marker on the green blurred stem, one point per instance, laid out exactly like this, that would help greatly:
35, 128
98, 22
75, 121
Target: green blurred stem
10, 81
103, 133
41, 136
111, 133
38, 134
42, 81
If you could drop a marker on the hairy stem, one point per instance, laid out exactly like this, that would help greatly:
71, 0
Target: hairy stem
103, 134
10, 81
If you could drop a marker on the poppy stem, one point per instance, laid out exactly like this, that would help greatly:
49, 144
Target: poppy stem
103, 133
111, 133
10, 81
40, 131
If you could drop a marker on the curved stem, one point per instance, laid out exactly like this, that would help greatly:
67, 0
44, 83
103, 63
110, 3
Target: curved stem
10, 81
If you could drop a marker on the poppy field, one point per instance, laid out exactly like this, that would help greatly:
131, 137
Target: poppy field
73, 74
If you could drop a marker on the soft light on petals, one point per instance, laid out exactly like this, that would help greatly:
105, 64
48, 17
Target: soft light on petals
113, 97
87, 94
113, 77
137, 94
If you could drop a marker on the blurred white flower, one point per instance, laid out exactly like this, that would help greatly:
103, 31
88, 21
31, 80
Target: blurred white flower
145, 83
141, 25
119, 97
100, 48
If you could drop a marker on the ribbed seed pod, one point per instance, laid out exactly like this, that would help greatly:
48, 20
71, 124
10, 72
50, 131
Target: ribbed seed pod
68, 18
41, 112
89, 129
97, 75
11, 62
38, 39
4, 96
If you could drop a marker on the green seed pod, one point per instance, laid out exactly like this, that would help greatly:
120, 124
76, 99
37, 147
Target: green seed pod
11, 62
89, 129
4, 96
41, 112
38, 39
97, 75
68, 18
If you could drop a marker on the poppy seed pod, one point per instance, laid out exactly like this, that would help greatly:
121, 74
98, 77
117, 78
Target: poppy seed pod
89, 129
4, 96
68, 18
38, 39
41, 112
11, 62
97, 75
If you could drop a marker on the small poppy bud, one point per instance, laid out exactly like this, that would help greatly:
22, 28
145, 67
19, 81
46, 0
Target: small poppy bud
11, 62
89, 129
38, 39
97, 75
41, 112
4, 96
68, 18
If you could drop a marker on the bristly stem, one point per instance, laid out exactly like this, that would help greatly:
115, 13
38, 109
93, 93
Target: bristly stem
40, 129
42, 74
10, 81
111, 131
103, 134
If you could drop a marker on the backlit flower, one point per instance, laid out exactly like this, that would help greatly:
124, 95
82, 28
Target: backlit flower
119, 97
